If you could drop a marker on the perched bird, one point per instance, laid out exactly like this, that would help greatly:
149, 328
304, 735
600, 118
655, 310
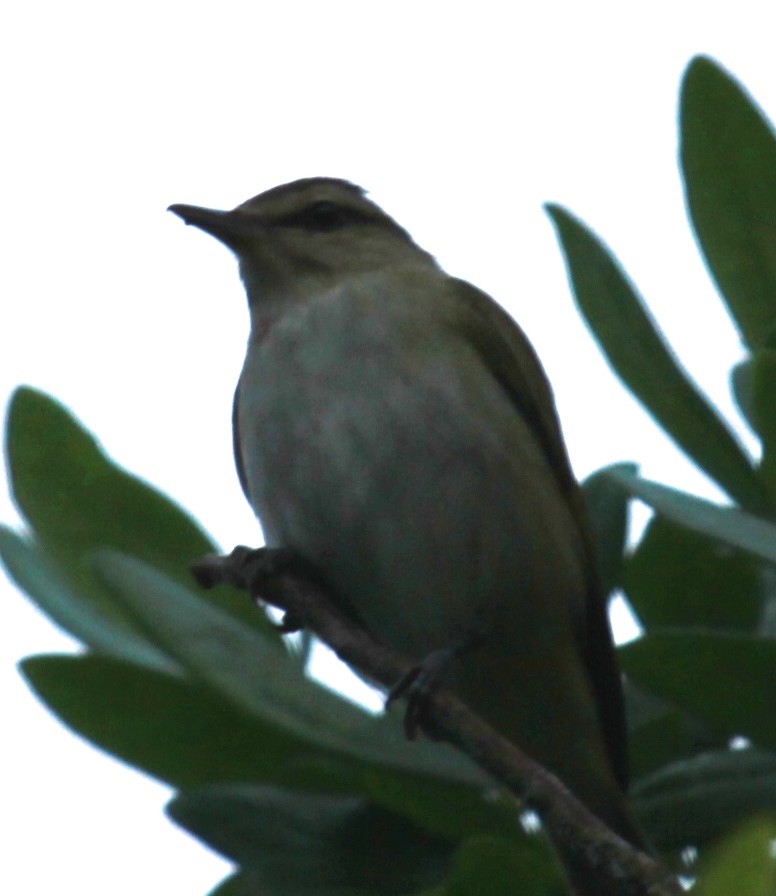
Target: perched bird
394, 426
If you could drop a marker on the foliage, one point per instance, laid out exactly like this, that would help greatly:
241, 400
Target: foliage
290, 781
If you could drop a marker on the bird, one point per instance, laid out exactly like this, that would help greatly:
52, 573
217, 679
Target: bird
394, 427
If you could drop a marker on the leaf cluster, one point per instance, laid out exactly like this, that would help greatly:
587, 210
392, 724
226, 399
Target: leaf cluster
701, 682
303, 791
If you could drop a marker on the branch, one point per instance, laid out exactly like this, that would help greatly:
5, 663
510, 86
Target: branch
610, 865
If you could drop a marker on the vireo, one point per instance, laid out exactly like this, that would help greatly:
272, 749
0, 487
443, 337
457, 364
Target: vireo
394, 426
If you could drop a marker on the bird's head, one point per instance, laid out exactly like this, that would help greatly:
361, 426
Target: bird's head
306, 237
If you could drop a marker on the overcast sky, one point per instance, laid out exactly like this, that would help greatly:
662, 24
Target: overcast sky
461, 119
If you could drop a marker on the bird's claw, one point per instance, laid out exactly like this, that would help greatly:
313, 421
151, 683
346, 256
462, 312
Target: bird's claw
245, 568
419, 686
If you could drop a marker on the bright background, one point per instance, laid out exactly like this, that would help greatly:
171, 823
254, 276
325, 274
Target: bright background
461, 119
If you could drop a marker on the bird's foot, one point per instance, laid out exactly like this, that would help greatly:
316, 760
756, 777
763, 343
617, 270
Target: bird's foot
246, 568
249, 569
419, 686
423, 680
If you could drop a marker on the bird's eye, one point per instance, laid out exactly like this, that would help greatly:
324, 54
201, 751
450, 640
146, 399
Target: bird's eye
325, 215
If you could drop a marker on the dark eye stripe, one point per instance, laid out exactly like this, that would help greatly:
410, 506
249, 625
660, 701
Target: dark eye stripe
324, 215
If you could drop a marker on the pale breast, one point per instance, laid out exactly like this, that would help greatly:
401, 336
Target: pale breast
388, 455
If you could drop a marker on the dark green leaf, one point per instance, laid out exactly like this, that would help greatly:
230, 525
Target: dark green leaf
741, 384
660, 733
181, 733
253, 883
693, 802
678, 577
728, 158
231, 658
243, 883
607, 507
744, 863
763, 398
639, 355
502, 868
451, 810
170, 728
301, 842
440, 806
36, 575
260, 679
640, 705
657, 742
727, 680
76, 501
731, 526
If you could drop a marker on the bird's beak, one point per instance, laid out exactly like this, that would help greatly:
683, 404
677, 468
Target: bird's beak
232, 228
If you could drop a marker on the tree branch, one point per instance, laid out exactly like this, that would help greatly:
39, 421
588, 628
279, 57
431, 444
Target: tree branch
611, 865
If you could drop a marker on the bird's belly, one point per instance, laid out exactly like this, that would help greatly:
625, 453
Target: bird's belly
416, 489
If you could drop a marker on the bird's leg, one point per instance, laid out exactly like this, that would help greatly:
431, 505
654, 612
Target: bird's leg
423, 680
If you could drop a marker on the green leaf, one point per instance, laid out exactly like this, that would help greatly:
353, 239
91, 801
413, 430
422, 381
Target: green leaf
640, 705
451, 810
34, 573
183, 734
259, 679
679, 577
695, 801
638, 354
607, 507
244, 883
502, 868
77, 501
727, 680
300, 842
660, 733
217, 649
657, 742
253, 883
763, 393
728, 160
741, 385
172, 729
733, 527
744, 863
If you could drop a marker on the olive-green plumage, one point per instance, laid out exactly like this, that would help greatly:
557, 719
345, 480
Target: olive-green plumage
395, 427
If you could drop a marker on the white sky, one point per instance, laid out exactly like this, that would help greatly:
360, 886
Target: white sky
461, 119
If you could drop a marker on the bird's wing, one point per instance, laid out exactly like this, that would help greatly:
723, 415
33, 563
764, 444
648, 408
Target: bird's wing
507, 353
236, 444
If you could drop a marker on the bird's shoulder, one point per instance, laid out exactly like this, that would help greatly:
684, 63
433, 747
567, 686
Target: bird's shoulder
506, 351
